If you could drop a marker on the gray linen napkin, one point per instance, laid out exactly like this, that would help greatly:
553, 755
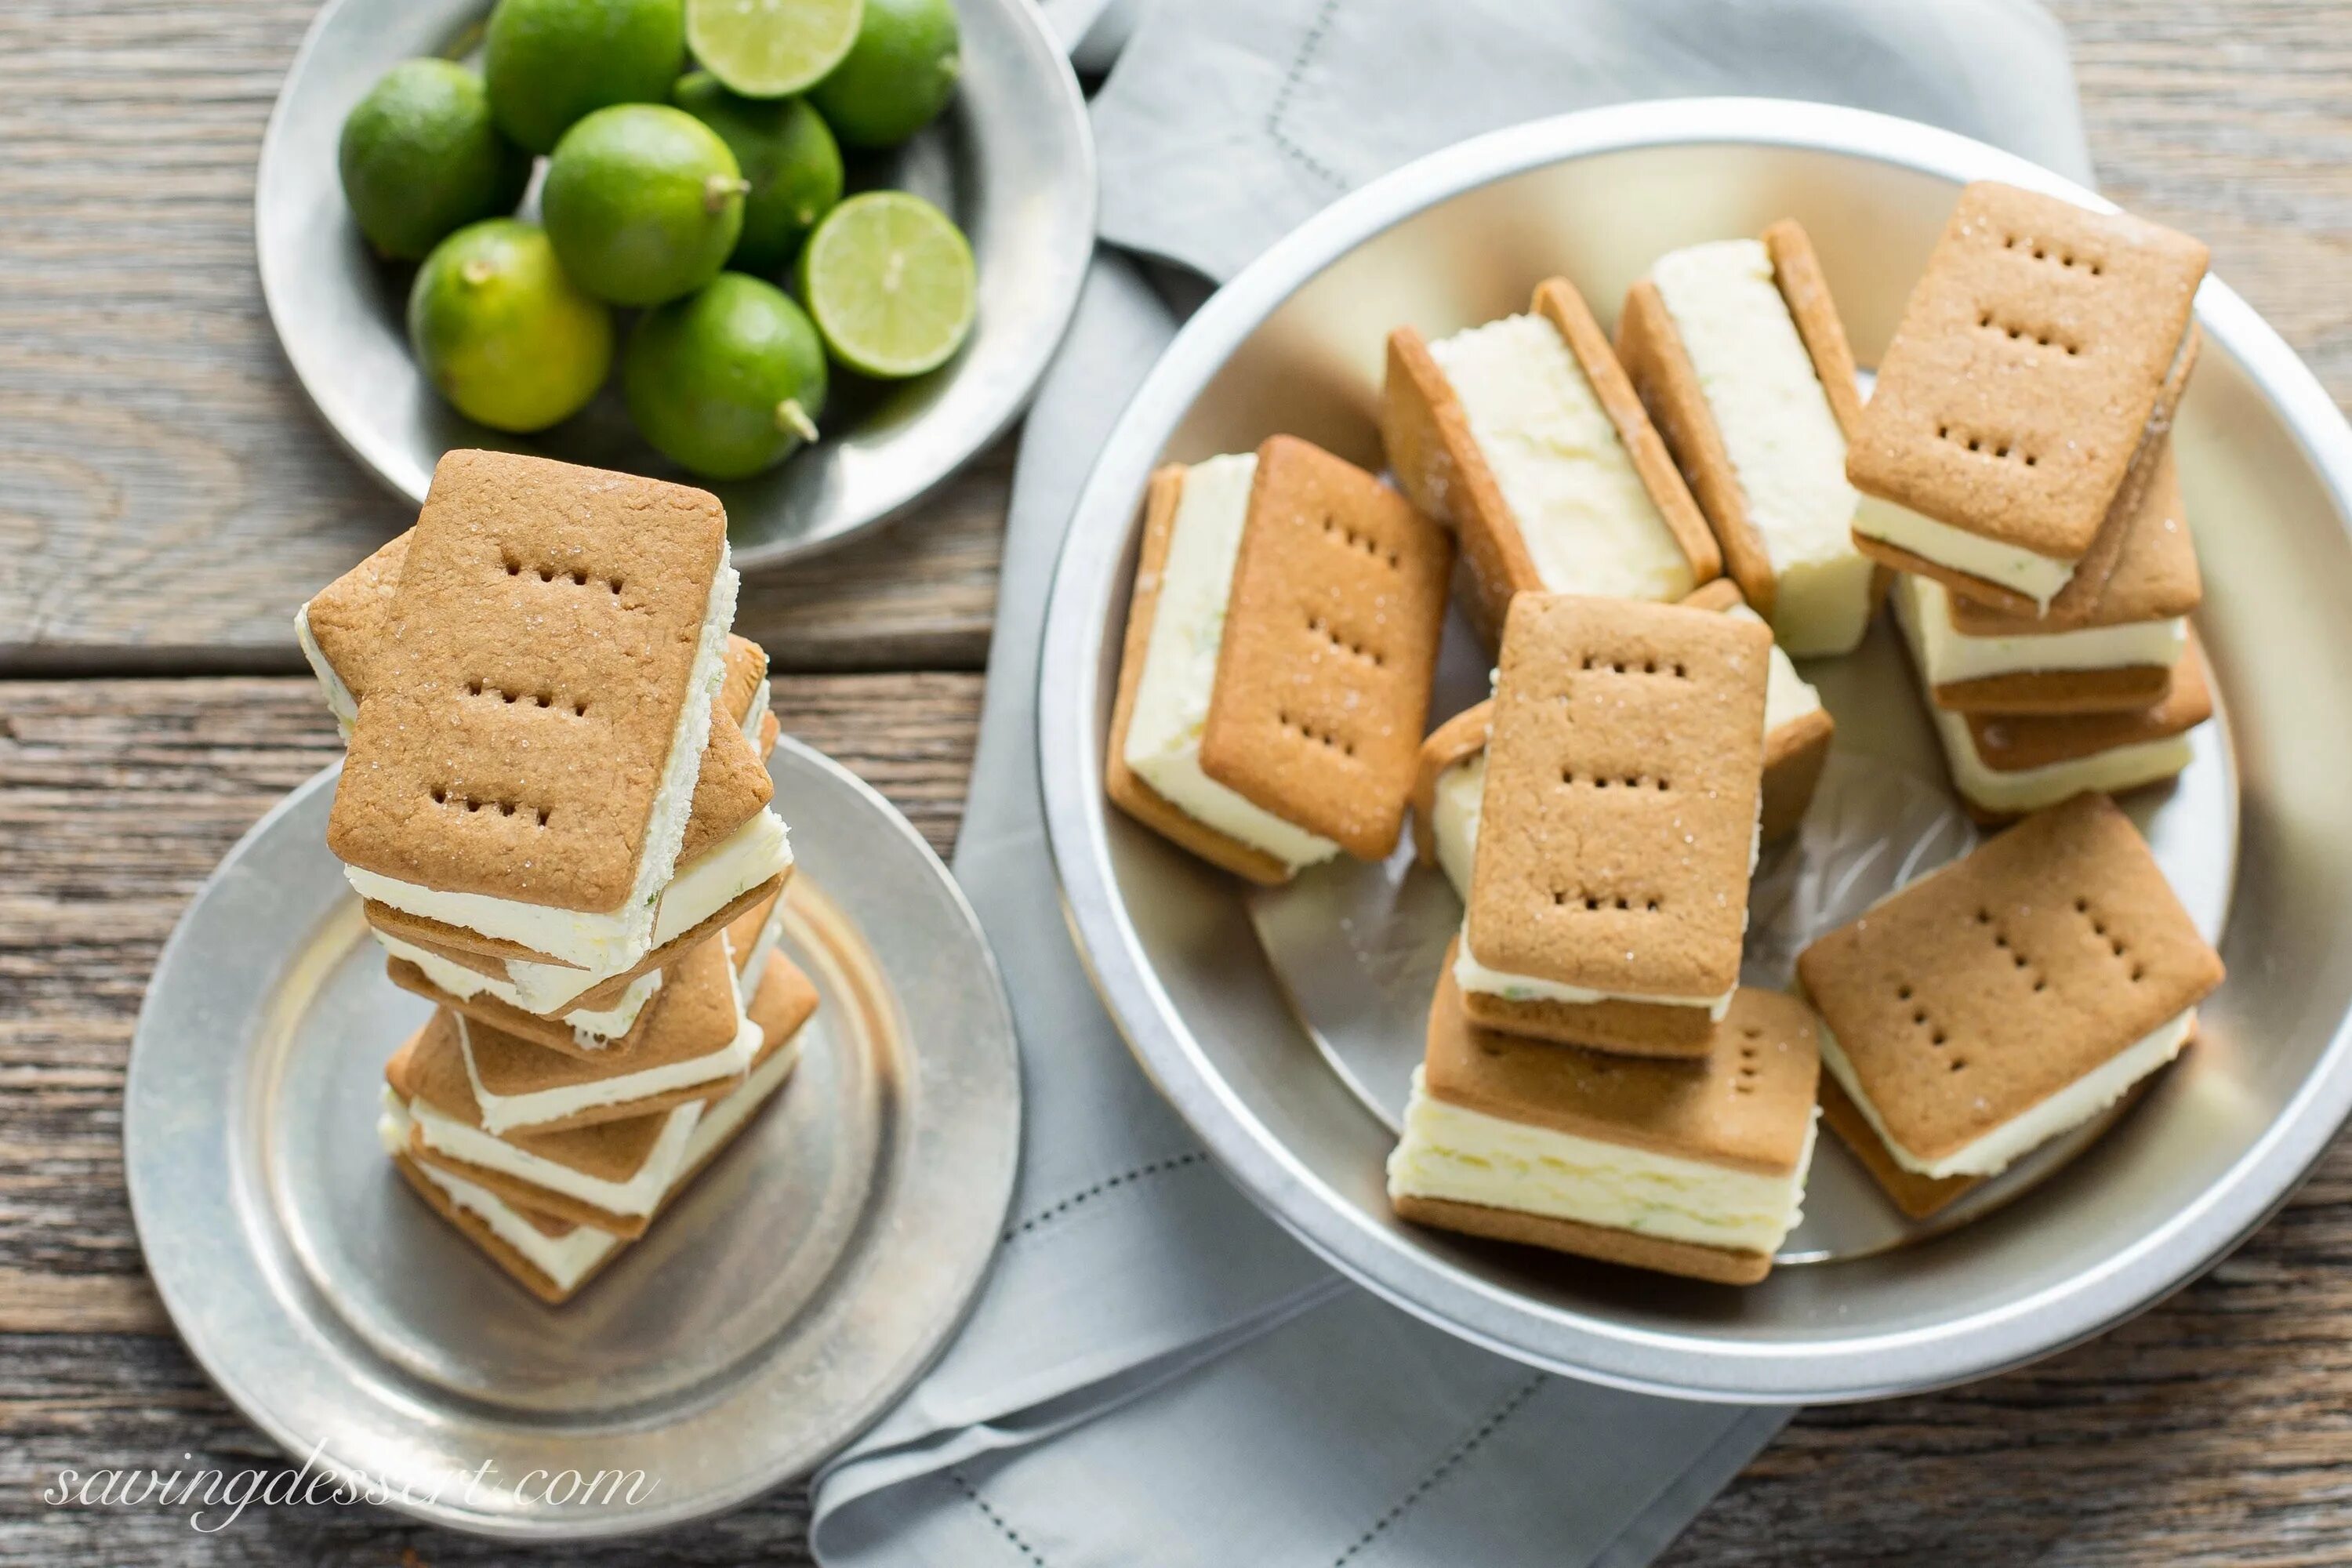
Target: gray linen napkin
1154, 1373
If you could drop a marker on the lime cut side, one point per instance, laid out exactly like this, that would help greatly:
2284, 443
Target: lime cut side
769, 48
889, 279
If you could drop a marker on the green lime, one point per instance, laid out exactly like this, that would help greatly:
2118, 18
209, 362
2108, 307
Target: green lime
784, 150
643, 202
550, 62
728, 381
420, 157
768, 48
501, 332
889, 279
898, 75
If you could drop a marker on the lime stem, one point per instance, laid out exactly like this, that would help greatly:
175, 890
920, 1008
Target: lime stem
792, 417
718, 188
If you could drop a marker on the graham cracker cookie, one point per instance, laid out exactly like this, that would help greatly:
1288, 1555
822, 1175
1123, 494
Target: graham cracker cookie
2014, 743
1126, 788
1795, 749
534, 671
1457, 739
1984, 988
1330, 645
1694, 1260
1623, 785
731, 786
1438, 463
1652, 353
344, 616
2035, 366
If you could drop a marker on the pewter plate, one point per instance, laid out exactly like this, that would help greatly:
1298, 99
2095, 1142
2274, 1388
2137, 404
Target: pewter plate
784, 1302
2257, 835
1011, 162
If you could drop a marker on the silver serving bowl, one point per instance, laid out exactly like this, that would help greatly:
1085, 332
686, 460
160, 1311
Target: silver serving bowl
1295, 344
1011, 162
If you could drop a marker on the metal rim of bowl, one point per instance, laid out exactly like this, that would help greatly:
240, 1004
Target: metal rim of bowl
1063, 100
1581, 1345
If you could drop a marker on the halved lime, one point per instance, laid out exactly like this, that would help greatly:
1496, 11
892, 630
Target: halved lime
889, 279
768, 48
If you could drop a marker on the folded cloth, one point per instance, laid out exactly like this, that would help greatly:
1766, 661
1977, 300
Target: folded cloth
1154, 1373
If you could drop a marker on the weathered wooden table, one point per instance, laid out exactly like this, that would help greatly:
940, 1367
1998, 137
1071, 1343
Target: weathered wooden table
166, 498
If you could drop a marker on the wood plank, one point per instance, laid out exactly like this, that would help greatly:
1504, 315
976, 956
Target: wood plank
167, 497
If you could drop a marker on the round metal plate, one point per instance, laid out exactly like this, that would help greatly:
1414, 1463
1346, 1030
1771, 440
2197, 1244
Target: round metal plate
782, 1304
2253, 835
1012, 161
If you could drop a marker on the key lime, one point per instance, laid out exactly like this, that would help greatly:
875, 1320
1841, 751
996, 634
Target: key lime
897, 77
501, 332
420, 158
889, 279
728, 381
769, 48
784, 150
551, 62
643, 202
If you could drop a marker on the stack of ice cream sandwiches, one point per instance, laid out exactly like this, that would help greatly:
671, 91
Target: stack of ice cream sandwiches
2017, 461
1649, 532
556, 809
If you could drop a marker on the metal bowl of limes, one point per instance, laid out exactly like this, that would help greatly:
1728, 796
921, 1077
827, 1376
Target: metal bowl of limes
870, 401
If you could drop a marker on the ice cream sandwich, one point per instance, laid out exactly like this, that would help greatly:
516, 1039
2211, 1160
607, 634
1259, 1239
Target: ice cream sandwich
1525, 436
1450, 778
1280, 648
1738, 351
551, 1257
2012, 996
2024, 397
1696, 1168
2104, 648
546, 668
2004, 765
611, 1175
1618, 824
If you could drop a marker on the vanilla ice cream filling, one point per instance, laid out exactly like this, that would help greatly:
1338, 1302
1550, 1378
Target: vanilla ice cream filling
1180, 666
754, 965
637, 1196
1991, 789
1948, 655
722, 1119
2038, 577
1452, 1154
1588, 522
565, 1258
340, 701
509, 1112
1780, 433
729, 868
606, 942
593, 1028
2063, 1111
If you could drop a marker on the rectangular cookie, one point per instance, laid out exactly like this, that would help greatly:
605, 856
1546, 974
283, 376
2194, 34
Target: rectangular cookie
1525, 436
1618, 827
1739, 353
539, 703
2003, 765
1695, 1168
1280, 648
2104, 650
2013, 994
554, 1258
2026, 391
612, 1176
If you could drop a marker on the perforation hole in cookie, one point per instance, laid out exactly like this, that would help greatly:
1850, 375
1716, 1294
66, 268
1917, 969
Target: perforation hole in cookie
1326, 739
2041, 337
1330, 634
